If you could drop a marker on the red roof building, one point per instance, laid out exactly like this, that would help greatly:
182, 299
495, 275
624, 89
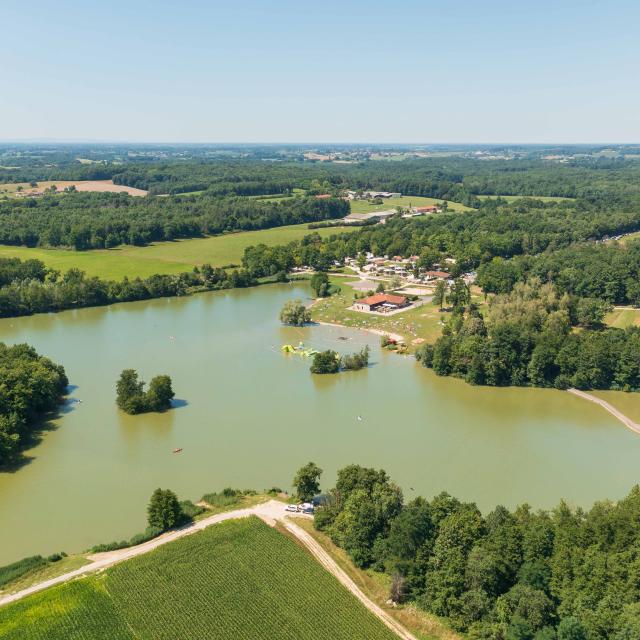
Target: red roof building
430, 209
438, 275
380, 302
322, 196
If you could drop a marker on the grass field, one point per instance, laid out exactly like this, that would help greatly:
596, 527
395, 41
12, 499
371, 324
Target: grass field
363, 206
165, 257
512, 198
238, 579
419, 325
623, 318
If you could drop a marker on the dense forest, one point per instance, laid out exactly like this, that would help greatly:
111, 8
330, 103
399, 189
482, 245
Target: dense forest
529, 337
607, 271
103, 220
566, 574
30, 387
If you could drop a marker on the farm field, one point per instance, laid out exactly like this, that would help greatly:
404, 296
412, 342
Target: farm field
165, 257
513, 198
363, 206
12, 189
239, 579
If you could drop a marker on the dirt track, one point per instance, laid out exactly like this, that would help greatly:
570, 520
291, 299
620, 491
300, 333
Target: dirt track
271, 512
626, 421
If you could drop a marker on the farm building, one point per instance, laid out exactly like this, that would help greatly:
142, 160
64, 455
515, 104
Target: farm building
430, 209
381, 302
437, 275
375, 216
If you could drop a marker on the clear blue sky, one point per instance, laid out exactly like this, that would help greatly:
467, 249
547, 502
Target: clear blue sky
326, 71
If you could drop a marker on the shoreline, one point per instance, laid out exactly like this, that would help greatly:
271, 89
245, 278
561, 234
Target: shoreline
379, 332
626, 421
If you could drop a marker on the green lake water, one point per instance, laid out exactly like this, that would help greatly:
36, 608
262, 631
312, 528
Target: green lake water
249, 416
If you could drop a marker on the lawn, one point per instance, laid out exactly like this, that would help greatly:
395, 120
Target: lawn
237, 579
165, 257
422, 324
363, 206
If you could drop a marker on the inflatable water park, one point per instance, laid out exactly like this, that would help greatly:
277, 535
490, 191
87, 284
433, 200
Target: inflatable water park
300, 350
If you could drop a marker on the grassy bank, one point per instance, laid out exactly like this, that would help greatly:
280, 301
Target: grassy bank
239, 579
422, 324
164, 257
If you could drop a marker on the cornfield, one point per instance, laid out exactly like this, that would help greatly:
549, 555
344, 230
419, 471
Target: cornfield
238, 579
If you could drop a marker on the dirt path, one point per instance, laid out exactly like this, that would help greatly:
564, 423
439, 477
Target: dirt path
330, 565
626, 421
271, 512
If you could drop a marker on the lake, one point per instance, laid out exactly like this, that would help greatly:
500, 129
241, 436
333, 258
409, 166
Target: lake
249, 416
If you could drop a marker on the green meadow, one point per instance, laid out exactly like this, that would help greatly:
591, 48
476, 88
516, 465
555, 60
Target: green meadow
165, 257
363, 206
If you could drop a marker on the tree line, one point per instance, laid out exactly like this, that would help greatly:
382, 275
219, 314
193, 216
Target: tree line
30, 387
29, 287
474, 238
607, 271
529, 337
564, 574
103, 220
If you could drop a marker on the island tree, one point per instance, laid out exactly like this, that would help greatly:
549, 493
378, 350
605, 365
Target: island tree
294, 313
326, 362
132, 398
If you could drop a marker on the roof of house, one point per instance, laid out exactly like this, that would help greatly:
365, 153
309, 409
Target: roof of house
431, 207
323, 195
381, 298
438, 274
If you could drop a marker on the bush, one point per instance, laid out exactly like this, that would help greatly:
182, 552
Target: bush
326, 362
148, 534
356, 361
189, 510
56, 557
16, 570
226, 498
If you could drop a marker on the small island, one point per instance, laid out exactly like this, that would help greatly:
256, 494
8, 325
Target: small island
133, 399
